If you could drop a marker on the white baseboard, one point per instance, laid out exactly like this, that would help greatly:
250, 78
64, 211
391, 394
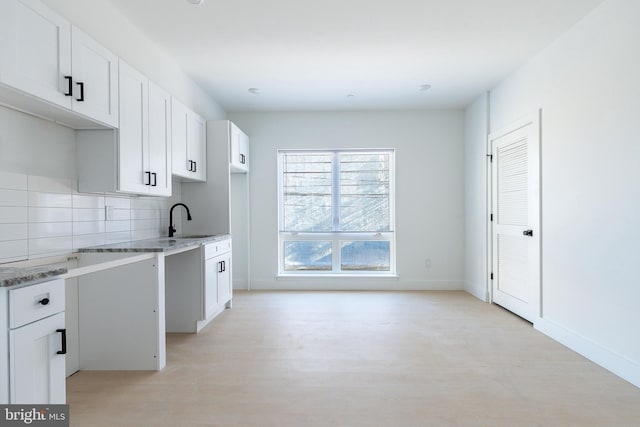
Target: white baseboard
353, 284
621, 366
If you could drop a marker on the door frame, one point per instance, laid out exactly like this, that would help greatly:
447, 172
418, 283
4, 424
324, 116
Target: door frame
535, 119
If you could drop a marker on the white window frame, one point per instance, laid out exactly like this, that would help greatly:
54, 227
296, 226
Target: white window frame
336, 237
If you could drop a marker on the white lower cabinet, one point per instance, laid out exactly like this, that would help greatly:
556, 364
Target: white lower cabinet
36, 362
217, 289
197, 286
35, 337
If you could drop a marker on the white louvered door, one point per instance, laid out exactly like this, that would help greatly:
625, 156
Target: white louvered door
516, 218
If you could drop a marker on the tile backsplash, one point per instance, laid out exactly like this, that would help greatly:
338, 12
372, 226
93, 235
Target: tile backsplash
42, 216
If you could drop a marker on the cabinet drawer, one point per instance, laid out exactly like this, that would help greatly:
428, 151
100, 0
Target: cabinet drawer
217, 248
35, 302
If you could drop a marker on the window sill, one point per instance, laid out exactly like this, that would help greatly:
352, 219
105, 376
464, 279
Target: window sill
337, 276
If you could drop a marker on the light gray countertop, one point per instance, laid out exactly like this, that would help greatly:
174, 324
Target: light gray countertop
11, 276
159, 244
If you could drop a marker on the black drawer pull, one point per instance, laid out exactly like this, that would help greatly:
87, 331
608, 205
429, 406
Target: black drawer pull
44, 301
155, 179
148, 178
64, 341
81, 99
69, 91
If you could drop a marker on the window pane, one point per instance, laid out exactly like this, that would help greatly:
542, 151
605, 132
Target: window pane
306, 192
364, 192
365, 256
307, 255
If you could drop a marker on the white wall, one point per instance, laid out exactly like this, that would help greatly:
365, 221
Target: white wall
105, 23
475, 166
587, 85
429, 183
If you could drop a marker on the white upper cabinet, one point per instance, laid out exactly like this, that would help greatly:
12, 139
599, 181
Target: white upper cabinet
133, 134
135, 158
159, 140
239, 150
42, 55
35, 50
95, 79
188, 143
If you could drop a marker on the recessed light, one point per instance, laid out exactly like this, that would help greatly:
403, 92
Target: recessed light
196, 2
424, 88
254, 90
351, 96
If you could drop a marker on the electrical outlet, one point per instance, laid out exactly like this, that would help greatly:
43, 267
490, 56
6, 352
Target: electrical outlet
108, 213
427, 263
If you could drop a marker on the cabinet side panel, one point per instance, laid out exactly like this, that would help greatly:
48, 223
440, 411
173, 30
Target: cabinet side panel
118, 314
97, 154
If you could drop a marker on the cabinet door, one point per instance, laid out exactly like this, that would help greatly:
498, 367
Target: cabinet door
133, 169
239, 150
211, 268
36, 370
180, 165
159, 140
95, 79
197, 147
224, 280
35, 50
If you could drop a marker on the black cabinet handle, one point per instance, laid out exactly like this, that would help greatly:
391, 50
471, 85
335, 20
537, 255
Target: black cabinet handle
148, 178
190, 165
527, 233
155, 179
195, 166
220, 270
69, 91
243, 159
44, 301
81, 99
64, 341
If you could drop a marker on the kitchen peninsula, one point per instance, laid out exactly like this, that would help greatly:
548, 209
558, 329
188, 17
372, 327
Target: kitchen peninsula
172, 284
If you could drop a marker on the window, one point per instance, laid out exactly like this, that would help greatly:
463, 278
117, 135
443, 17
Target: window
336, 212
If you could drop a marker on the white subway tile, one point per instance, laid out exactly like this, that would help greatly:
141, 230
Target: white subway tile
88, 240
88, 215
118, 214
88, 227
118, 237
13, 231
112, 226
13, 215
13, 197
40, 230
118, 202
14, 250
50, 245
50, 215
147, 203
88, 201
49, 200
50, 185
13, 181
143, 234
146, 224
145, 213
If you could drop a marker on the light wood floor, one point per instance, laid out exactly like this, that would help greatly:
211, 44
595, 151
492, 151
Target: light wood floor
360, 359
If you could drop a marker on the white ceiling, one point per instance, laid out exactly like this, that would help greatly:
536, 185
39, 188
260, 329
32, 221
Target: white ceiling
309, 55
